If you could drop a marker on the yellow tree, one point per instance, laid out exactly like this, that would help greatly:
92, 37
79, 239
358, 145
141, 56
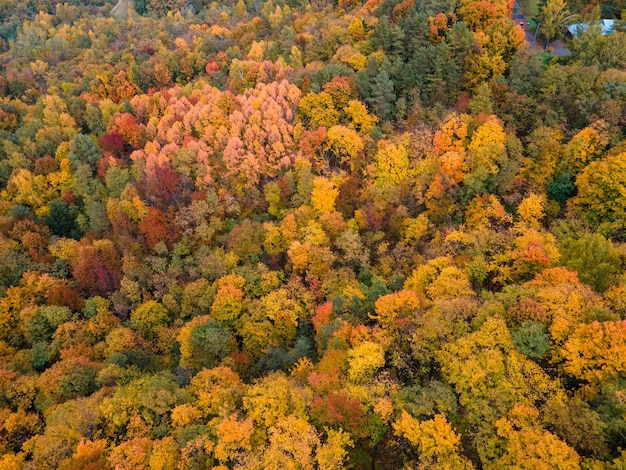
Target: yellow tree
528, 446
293, 443
596, 352
391, 308
233, 437
490, 377
392, 164
435, 441
486, 153
342, 147
323, 195
319, 110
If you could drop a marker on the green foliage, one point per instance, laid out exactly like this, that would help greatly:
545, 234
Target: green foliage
531, 339
62, 219
594, 258
306, 235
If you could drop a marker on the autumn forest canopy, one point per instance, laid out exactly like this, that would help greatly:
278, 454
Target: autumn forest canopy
302, 234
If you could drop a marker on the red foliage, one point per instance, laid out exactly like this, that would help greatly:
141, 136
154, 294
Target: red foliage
462, 104
322, 315
338, 410
126, 126
46, 165
324, 382
212, 67
198, 196
65, 296
166, 183
342, 90
68, 196
97, 270
311, 141
159, 226
528, 310
111, 143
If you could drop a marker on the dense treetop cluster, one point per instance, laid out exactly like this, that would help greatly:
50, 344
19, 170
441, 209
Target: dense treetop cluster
310, 235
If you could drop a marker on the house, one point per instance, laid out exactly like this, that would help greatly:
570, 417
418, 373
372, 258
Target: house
520, 20
577, 29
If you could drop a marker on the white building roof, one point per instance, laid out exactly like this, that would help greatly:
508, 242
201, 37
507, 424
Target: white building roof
579, 28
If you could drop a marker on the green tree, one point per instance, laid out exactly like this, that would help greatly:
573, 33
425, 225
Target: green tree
553, 17
594, 258
61, 219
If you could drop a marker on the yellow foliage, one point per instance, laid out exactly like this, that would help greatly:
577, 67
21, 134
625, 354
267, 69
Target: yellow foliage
232, 280
65, 249
185, 415
416, 228
292, 445
233, 436
430, 437
256, 52
392, 164
358, 117
344, 145
315, 234
299, 255
602, 190
350, 56
487, 147
272, 398
332, 454
596, 352
391, 307
165, 454
319, 110
531, 210
528, 446
28, 189
451, 283
323, 195
364, 361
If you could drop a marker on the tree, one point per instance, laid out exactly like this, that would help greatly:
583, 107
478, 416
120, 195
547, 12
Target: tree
552, 18
323, 195
319, 110
394, 309
97, 268
233, 437
382, 96
84, 150
342, 148
435, 441
271, 399
490, 377
61, 219
486, 154
594, 258
216, 390
478, 15
158, 226
149, 318
601, 188
392, 164
292, 444
527, 446
594, 352
203, 343
364, 360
